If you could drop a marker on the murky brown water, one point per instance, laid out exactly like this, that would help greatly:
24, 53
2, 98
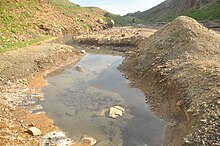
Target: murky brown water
76, 101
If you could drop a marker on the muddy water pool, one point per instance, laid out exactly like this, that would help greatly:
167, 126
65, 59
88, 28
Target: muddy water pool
79, 103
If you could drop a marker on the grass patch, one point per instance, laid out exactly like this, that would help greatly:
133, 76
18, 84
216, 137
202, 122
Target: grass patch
203, 14
123, 20
8, 46
209, 13
64, 5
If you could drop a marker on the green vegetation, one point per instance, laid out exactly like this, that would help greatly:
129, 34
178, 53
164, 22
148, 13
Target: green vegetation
19, 24
207, 13
6, 45
203, 14
13, 15
71, 9
123, 20
16, 24
66, 6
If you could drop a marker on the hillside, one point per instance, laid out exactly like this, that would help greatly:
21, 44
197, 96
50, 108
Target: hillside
170, 9
24, 22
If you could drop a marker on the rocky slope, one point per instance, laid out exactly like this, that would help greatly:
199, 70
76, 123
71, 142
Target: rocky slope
169, 9
23, 22
178, 70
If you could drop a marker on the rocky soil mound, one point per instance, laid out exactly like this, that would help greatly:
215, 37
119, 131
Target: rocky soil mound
178, 69
115, 37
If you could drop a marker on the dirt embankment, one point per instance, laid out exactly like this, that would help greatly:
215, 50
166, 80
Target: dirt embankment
29, 61
19, 70
178, 70
118, 38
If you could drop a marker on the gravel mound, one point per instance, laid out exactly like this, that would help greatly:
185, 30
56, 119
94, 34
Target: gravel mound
178, 69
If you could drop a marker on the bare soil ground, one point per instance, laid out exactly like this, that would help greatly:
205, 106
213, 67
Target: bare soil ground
22, 73
118, 38
178, 70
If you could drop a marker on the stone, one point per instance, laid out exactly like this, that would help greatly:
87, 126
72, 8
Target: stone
137, 33
34, 131
83, 52
116, 111
100, 21
57, 138
92, 47
71, 113
179, 103
79, 68
89, 140
111, 23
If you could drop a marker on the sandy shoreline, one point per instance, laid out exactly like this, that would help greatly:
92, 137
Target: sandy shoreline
22, 75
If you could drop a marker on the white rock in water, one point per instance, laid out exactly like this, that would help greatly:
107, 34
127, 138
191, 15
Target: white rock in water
83, 52
89, 140
34, 131
116, 111
120, 108
79, 68
57, 138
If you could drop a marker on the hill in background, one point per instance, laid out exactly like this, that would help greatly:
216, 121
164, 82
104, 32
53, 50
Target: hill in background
203, 10
23, 22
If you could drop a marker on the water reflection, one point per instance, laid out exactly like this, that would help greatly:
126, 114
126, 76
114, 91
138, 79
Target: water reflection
78, 102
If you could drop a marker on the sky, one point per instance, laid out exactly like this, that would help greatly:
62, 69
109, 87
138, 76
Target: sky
121, 7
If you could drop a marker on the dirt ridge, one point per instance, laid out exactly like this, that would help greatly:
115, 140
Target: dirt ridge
177, 68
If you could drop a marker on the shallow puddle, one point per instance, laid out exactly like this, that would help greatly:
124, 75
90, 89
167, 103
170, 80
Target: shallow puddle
79, 103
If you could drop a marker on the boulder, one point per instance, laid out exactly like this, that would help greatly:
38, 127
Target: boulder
89, 140
111, 23
116, 111
83, 52
79, 68
34, 131
100, 21
57, 138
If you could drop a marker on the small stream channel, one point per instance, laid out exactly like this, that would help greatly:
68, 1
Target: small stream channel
79, 103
